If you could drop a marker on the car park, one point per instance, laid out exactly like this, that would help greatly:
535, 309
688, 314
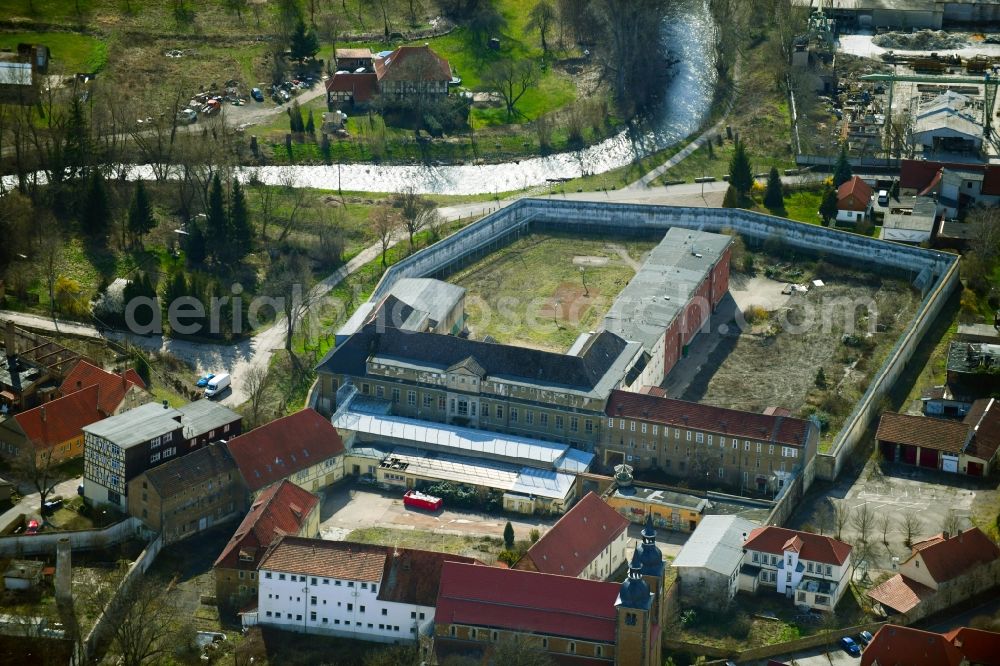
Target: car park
850, 647
204, 379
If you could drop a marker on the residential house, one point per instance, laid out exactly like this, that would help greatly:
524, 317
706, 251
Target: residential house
957, 186
940, 572
589, 541
352, 59
119, 448
894, 644
302, 447
708, 564
968, 446
188, 494
854, 201
408, 73
412, 72
21, 74
339, 588
574, 620
911, 222
282, 508
52, 432
117, 393
29, 364
810, 569
688, 440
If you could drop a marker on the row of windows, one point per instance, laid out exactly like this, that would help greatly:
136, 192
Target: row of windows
493, 635
468, 408
763, 558
316, 580
313, 618
700, 437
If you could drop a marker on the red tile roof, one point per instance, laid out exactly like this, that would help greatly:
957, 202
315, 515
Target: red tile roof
283, 447
906, 646
329, 559
526, 601
281, 509
413, 63
696, 416
984, 418
855, 194
813, 547
362, 85
576, 539
60, 420
922, 431
112, 387
978, 646
918, 174
404, 575
952, 557
900, 593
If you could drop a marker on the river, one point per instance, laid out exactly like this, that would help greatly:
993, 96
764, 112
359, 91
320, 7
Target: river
686, 103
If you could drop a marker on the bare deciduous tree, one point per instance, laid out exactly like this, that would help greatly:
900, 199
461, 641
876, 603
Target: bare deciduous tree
511, 79
863, 520
34, 463
411, 207
385, 224
288, 280
952, 523
841, 516
882, 525
910, 526
256, 382
143, 622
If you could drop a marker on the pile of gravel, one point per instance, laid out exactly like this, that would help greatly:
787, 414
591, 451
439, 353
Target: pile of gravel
922, 40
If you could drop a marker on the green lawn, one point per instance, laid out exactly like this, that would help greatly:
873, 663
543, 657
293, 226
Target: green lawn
70, 52
471, 546
534, 293
803, 205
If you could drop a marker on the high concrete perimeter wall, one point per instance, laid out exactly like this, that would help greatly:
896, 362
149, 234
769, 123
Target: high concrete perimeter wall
934, 273
45, 542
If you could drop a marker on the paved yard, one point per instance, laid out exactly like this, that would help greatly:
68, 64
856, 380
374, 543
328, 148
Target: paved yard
902, 491
352, 506
815, 657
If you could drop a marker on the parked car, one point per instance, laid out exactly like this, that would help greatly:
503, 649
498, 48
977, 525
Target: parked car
850, 647
52, 506
33, 527
187, 116
883, 197
217, 385
203, 380
257, 94
865, 637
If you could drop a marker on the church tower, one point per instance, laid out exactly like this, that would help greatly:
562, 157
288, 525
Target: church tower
653, 570
634, 625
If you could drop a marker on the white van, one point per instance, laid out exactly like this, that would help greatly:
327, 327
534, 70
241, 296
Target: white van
217, 385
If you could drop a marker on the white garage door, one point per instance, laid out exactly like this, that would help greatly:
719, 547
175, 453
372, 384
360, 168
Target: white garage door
949, 463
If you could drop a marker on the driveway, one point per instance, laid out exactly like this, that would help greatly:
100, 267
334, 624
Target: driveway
30, 504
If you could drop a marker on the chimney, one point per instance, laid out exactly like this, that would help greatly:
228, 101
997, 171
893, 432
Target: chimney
64, 571
79, 385
41, 412
8, 339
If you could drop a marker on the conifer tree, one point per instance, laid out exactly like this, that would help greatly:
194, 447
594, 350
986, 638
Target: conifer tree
740, 171
96, 208
774, 197
217, 233
140, 214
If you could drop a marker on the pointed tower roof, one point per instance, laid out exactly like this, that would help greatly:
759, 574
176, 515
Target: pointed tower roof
634, 592
649, 554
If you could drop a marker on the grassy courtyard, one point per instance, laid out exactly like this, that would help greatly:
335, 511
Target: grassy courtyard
544, 290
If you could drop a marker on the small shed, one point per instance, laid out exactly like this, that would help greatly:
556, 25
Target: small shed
23, 574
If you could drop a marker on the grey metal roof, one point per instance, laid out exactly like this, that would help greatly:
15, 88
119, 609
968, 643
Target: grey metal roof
203, 416
919, 216
667, 498
136, 425
435, 297
662, 287
954, 121
447, 438
15, 73
716, 544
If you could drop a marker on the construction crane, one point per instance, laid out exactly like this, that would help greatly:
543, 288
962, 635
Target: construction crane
989, 81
